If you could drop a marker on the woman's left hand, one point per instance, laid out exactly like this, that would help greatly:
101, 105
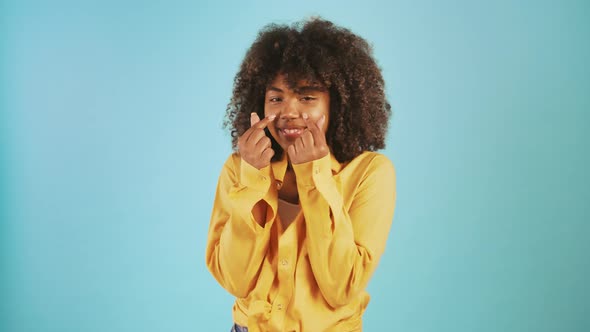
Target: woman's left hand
311, 145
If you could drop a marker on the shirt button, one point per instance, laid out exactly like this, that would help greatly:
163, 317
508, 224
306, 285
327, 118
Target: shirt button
263, 178
279, 306
316, 170
279, 184
284, 262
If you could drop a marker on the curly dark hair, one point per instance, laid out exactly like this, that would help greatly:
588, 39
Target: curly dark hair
316, 50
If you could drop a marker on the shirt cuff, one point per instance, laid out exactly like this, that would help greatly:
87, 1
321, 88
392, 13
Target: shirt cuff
253, 178
312, 173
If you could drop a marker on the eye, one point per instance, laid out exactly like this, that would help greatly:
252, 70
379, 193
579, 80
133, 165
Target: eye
274, 99
308, 98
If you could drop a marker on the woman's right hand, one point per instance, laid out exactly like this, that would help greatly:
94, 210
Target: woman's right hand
254, 146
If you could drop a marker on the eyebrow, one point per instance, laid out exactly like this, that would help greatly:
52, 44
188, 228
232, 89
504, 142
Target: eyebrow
309, 88
302, 89
272, 88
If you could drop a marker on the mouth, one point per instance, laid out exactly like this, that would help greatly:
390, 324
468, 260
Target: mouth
291, 133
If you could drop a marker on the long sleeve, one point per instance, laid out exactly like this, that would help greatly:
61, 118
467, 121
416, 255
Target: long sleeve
236, 242
345, 245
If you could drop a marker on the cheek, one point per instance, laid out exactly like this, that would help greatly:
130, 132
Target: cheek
316, 115
272, 129
269, 110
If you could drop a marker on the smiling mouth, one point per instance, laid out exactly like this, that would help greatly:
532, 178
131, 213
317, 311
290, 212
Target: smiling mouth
291, 133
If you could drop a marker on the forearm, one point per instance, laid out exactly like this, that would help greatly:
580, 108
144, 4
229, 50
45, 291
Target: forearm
341, 267
239, 230
345, 243
235, 257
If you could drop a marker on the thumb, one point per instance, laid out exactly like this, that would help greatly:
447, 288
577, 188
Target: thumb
254, 119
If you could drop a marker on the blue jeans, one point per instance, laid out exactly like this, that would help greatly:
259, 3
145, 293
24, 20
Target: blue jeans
238, 328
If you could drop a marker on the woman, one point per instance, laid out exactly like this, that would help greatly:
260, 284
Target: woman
303, 209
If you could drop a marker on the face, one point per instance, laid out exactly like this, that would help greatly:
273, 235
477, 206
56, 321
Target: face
290, 105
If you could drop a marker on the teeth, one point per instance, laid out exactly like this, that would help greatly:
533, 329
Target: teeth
292, 131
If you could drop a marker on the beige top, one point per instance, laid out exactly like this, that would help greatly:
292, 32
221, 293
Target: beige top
287, 212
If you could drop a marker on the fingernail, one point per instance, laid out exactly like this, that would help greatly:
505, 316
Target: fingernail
272, 117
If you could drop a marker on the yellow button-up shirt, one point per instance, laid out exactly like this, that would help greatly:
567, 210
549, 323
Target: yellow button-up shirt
312, 275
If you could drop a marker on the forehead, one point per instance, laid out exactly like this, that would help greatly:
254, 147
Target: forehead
291, 82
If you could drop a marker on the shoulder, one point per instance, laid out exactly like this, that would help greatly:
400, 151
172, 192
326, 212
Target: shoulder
369, 169
372, 161
233, 161
231, 166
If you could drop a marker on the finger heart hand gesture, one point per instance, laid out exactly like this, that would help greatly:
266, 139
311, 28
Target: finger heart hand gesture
254, 146
311, 145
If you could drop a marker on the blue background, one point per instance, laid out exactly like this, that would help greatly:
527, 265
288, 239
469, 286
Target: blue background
111, 144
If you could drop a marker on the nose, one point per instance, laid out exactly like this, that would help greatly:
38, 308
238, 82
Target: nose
290, 110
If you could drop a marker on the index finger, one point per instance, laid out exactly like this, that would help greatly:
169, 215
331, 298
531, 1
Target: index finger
264, 122
314, 127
